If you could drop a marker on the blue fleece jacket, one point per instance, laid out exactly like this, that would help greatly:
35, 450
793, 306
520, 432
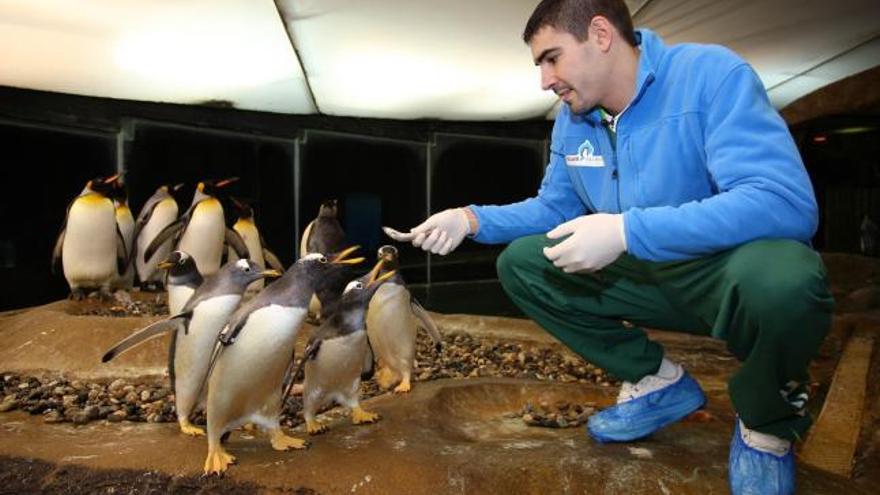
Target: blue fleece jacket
702, 163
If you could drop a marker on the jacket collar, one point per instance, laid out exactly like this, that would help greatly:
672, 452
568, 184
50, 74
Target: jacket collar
652, 51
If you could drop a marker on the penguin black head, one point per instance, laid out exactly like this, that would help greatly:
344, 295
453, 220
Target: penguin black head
351, 312
329, 208
389, 255
102, 185
210, 187
245, 212
119, 193
179, 263
243, 272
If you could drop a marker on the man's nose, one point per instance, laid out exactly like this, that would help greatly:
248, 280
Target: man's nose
548, 78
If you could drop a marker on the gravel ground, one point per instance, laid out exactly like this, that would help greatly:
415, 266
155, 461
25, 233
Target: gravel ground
60, 400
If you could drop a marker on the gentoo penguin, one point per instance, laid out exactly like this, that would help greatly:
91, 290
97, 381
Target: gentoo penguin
247, 229
183, 279
201, 230
393, 318
90, 246
125, 221
338, 354
157, 213
324, 234
254, 355
202, 319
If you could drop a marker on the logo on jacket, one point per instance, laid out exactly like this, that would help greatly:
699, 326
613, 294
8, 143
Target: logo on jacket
585, 157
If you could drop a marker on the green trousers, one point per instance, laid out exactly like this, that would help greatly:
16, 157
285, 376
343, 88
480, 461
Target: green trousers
768, 300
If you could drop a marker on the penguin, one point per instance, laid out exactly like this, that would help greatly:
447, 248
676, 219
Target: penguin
201, 230
338, 355
324, 234
201, 319
125, 222
182, 280
393, 318
90, 246
260, 254
254, 354
158, 212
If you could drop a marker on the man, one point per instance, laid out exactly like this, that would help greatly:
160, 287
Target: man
675, 198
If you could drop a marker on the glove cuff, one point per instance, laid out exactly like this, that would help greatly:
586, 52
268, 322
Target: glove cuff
472, 223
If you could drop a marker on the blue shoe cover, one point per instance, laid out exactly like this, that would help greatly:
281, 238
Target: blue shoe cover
638, 418
753, 472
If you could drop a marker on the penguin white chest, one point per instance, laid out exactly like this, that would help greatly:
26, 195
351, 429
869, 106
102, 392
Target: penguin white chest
338, 364
391, 325
163, 215
251, 236
178, 295
263, 347
89, 250
203, 238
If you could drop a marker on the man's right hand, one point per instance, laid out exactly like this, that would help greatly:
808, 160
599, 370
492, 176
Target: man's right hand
440, 234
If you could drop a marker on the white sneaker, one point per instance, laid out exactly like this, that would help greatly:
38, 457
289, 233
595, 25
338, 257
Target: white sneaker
668, 374
770, 444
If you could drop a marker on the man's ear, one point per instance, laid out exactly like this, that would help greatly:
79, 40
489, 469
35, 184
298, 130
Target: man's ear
602, 32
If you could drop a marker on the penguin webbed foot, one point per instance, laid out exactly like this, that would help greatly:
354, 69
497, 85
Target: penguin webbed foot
218, 462
403, 387
192, 430
315, 427
359, 416
77, 295
282, 442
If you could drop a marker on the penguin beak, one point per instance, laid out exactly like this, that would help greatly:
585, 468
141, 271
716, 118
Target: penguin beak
381, 278
165, 264
226, 182
270, 273
341, 257
111, 180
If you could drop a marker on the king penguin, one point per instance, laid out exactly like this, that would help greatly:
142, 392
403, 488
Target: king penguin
393, 318
125, 222
90, 246
158, 212
182, 280
338, 354
201, 320
260, 254
201, 231
324, 234
254, 355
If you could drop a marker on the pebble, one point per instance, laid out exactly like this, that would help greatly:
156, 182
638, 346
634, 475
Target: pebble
462, 356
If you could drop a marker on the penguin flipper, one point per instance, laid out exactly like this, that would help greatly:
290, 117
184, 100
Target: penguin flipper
139, 337
272, 260
56, 251
122, 254
167, 233
426, 322
235, 241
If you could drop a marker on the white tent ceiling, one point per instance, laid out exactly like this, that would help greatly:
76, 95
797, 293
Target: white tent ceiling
402, 59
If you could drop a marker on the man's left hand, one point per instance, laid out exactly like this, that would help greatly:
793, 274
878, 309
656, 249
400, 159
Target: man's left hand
596, 240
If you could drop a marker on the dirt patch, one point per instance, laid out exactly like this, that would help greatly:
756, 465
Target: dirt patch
25, 476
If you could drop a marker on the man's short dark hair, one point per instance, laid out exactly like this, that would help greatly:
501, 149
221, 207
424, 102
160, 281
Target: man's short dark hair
574, 16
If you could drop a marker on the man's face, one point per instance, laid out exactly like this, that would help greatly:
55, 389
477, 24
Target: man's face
572, 69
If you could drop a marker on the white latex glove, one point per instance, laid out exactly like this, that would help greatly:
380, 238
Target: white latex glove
596, 240
440, 233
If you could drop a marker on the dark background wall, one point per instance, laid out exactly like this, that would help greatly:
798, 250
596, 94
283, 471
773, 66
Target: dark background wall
382, 172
